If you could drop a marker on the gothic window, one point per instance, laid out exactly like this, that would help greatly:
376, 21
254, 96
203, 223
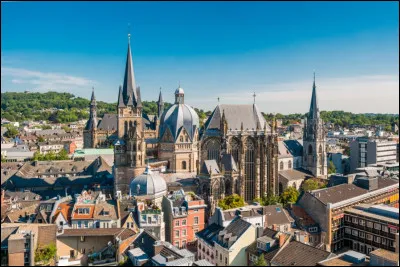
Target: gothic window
212, 148
228, 187
130, 125
309, 149
290, 164
281, 166
235, 148
320, 148
184, 165
125, 128
249, 170
294, 185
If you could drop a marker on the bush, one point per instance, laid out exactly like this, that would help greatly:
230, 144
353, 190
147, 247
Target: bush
289, 195
231, 202
46, 253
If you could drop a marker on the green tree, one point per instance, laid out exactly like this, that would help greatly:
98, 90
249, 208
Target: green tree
231, 202
46, 127
260, 261
289, 195
268, 199
46, 254
3, 159
313, 184
331, 168
40, 139
12, 132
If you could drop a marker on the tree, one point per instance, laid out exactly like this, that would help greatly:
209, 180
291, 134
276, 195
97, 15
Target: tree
231, 202
268, 199
331, 168
46, 253
12, 132
289, 195
3, 159
260, 261
310, 185
40, 139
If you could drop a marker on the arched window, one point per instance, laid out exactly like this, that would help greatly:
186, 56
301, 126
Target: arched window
290, 164
125, 128
183, 165
249, 170
294, 185
320, 148
281, 166
212, 147
181, 139
309, 149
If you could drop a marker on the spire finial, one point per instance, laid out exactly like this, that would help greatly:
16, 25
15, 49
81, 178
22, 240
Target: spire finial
129, 33
218, 99
179, 84
254, 96
314, 77
160, 89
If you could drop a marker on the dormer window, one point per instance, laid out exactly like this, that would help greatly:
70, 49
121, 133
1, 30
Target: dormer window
106, 213
83, 210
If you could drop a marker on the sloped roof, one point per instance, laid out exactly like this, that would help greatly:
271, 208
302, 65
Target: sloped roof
299, 254
228, 162
235, 115
109, 122
210, 165
295, 147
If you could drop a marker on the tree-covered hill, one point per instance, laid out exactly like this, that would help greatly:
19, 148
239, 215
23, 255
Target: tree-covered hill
65, 107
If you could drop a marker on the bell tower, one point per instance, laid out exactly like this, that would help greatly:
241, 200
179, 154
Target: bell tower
314, 140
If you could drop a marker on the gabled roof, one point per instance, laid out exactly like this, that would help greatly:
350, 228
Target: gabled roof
210, 233
210, 165
229, 163
235, 115
299, 254
108, 122
233, 232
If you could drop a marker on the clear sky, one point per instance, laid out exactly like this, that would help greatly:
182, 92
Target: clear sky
215, 49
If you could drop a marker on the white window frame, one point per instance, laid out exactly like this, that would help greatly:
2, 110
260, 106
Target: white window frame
377, 226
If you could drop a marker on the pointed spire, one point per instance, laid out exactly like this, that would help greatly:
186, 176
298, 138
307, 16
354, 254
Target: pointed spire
241, 126
121, 103
129, 87
93, 98
314, 109
160, 105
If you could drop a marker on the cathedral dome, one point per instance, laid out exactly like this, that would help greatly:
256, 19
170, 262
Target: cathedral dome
148, 184
178, 117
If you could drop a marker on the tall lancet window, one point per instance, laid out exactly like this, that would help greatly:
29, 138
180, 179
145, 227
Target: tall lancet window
235, 149
212, 147
249, 170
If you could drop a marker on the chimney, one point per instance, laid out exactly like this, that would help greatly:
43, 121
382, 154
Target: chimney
281, 239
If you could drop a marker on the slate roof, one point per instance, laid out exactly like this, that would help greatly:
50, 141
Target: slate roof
210, 165
24, 214
267, 255
22, 196
210, 233
202, 263
294, 175
283, 152
235, 115
295, 147
276, 215
233, 231
343, 192
228, 162
109, 122
299, 254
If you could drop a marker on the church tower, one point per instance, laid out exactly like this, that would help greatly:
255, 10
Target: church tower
130, 148
89, 133
314, 140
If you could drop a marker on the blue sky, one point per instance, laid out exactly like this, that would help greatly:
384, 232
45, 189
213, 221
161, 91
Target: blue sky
215, 49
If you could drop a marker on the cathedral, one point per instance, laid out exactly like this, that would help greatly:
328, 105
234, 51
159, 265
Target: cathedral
235, 152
